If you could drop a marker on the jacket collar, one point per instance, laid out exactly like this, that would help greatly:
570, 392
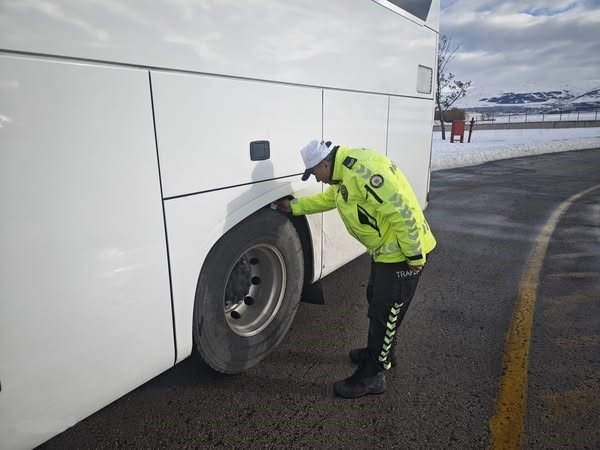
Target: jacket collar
340, 156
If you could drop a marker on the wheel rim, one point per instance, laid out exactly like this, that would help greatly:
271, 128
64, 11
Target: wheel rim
255, 290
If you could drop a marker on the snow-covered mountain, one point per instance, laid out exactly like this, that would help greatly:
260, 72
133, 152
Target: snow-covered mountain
560, 99
592, 98
511, 98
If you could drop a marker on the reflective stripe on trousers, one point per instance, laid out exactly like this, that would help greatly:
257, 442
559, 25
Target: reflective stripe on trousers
389, 293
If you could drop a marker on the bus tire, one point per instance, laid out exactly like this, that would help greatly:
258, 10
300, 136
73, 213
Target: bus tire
248, 292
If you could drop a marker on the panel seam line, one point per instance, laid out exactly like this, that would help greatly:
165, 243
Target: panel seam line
164, 219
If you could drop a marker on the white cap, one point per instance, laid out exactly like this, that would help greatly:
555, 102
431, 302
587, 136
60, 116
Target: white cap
313, 154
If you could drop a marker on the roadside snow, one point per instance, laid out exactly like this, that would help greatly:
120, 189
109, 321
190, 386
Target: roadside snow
491, 145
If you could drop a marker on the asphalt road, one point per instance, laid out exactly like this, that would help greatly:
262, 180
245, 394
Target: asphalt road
451, 345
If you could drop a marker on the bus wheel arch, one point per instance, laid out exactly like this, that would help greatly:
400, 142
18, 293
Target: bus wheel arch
248, 291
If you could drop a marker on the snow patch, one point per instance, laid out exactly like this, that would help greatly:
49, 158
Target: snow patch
492, 145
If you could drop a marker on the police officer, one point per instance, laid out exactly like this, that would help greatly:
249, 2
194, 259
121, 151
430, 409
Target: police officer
379, 208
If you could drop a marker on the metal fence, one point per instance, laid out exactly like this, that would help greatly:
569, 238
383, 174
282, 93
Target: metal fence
525, 117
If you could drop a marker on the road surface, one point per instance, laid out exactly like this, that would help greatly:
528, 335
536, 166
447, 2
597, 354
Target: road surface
453, 348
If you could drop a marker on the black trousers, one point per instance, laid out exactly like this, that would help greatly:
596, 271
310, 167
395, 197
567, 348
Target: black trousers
389, 293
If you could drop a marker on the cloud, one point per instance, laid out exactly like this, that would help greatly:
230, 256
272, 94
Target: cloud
522, 46
548, 11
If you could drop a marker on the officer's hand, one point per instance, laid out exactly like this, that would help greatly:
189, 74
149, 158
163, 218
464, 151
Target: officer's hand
284, 205
415, 268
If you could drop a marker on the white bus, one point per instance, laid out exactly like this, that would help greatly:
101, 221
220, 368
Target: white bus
141, 145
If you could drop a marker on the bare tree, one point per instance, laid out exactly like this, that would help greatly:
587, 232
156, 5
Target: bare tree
448, 89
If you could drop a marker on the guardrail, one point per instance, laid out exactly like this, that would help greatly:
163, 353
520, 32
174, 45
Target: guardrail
527, 125
525, 117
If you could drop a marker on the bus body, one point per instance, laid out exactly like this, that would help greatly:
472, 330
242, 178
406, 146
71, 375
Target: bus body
126, 176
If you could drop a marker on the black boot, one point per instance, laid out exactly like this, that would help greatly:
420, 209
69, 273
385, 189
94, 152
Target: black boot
367, 379
358, 355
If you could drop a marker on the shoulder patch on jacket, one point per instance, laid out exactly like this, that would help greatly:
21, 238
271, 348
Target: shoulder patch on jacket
376, 181
349, 162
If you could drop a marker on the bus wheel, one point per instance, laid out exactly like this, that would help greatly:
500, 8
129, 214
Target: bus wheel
248, 292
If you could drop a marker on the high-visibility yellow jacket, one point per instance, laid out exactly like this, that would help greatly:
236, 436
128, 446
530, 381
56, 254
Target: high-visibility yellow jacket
377, 205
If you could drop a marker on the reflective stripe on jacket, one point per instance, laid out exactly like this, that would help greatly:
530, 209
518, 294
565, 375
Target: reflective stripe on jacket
377, 205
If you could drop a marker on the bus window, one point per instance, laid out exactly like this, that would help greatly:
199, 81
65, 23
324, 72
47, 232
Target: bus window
418, 8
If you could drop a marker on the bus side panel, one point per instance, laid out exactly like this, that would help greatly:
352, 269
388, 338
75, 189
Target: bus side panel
197, 222
409, 141
205, 126
85, 314
358, 45
353, 120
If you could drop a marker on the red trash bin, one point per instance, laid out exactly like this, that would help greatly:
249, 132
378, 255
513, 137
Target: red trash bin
458, 129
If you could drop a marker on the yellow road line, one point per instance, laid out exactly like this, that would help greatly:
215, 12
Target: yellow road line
507, 426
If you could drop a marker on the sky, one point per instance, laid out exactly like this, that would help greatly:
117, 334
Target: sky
523, 46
